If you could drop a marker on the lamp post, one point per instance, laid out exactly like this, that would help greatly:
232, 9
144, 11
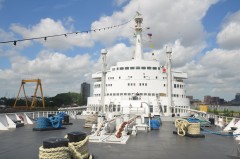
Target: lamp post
149, 115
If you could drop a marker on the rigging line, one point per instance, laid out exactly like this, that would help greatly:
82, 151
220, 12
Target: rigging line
64, 34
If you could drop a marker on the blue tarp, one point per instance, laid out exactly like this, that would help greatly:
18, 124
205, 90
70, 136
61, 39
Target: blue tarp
155, 124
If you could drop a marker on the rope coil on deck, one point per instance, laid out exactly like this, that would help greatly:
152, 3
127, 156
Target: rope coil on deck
184, 126
75, 150
54, 153
43, 122
79, 149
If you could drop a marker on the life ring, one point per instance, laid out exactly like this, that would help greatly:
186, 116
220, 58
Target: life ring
21, 117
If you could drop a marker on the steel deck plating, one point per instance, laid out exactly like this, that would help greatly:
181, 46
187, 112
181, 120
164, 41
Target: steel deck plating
24, 143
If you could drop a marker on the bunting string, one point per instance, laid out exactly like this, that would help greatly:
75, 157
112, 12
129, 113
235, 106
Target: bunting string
65, 34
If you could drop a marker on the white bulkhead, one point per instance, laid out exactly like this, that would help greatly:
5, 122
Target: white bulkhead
138, 86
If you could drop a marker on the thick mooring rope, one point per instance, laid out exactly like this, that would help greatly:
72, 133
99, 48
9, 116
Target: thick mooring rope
54, 153
183, 127
75, 150
79, 149
43, 122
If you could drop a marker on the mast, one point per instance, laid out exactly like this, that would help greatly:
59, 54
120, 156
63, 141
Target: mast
103, 80
169, 80
138, 30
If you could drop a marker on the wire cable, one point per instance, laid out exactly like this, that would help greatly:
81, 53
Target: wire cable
64, 34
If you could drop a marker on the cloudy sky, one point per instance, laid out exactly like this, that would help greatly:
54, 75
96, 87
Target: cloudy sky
204, 35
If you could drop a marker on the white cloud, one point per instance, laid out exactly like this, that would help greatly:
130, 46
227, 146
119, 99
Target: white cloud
216, 74
119, 52
180, 54
48, 27
5, 36
168, 20
177, 24
58, 72
229, 36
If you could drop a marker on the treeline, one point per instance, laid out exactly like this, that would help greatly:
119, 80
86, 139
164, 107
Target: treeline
225, 112
60, 100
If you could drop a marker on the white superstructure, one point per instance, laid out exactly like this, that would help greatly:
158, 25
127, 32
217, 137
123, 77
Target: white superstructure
139, 86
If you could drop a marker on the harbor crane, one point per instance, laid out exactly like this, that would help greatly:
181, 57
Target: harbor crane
33, 103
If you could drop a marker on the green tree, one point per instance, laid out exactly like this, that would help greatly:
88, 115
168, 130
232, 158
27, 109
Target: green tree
65, 99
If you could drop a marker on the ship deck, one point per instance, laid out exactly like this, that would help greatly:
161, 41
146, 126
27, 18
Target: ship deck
24, 143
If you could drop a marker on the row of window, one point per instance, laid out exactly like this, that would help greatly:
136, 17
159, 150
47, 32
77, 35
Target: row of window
117, 108
178, 86
179, 95
137, 68
176, 109
140, 94
140, 84
146, 77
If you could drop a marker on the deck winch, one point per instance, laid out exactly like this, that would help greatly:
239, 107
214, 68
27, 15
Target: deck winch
53, 122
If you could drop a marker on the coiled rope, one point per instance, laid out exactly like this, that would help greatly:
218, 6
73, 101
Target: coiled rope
54, 153
56, 121
184, 126
75, 150
79, 149
43, 122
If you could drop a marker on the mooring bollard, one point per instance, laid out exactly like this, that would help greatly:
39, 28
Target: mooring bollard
54, 148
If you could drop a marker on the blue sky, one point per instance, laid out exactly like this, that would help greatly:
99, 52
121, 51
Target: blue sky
204, 36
